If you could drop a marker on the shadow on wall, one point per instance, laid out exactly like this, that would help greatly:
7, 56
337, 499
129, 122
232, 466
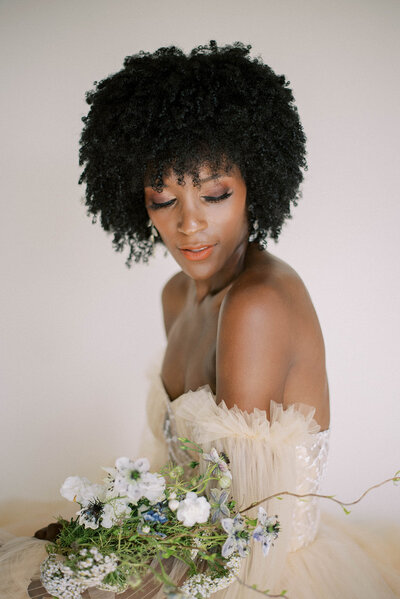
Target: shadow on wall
24, 517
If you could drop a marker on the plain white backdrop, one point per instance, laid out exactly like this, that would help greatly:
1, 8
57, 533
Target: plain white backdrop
79, 330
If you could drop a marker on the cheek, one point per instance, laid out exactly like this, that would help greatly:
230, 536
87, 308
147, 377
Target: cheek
232, 221
166, 230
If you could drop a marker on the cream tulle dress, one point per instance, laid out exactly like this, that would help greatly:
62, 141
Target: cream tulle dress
314, 557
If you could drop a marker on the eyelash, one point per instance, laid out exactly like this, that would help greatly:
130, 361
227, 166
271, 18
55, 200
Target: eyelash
208, 198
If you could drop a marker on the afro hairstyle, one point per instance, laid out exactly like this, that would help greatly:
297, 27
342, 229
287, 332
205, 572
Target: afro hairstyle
169, 112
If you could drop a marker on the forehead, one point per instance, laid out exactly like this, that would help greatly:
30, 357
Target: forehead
206, 175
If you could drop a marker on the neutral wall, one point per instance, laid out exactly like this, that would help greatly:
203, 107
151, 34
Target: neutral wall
79, 330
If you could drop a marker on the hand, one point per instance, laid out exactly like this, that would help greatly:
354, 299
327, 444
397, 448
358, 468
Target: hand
50, 532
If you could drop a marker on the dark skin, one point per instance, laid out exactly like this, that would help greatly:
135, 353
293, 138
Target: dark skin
239, 320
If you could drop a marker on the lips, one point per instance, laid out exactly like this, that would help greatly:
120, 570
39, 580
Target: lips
198, 252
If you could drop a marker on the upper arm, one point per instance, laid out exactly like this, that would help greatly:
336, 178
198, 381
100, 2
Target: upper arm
173, 299
254, 348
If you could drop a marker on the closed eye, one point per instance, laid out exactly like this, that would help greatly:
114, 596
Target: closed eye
156, 206
224, 196
219, 198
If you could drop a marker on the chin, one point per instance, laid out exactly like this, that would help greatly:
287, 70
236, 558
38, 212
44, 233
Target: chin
199, 272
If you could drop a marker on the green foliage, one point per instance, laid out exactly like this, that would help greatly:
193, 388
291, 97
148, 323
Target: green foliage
141, 545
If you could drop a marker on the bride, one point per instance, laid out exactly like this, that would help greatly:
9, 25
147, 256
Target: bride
204, 154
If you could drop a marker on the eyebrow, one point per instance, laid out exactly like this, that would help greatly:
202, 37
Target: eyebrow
210, 178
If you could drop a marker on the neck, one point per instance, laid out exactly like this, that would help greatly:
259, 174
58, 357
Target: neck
224, 277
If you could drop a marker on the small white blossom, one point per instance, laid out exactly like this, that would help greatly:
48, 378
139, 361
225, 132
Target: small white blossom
59, 581
117, 587
92, 571
193, 509
173, 505
201, 585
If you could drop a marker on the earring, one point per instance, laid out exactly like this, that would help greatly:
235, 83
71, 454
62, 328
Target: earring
153, 231
253, 224
254, 232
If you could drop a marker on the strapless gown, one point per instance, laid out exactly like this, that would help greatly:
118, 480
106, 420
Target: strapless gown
315, 557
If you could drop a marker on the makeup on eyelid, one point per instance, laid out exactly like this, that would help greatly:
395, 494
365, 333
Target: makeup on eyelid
205, 228
210, 199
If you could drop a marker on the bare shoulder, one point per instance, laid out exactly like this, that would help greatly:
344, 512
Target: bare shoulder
173, 298
268, 289
267, 327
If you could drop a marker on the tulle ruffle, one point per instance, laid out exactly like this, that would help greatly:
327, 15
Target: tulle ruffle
343, 561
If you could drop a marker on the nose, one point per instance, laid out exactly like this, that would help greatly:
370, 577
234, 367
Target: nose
191, 220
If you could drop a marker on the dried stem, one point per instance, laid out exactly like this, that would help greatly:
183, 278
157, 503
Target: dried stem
252, 588
265, 593
395, 478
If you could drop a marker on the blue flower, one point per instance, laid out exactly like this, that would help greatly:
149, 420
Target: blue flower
156, 514
238, 537
219, 509
266, 531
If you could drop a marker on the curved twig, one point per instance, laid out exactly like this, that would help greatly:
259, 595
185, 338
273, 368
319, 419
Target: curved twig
395, 478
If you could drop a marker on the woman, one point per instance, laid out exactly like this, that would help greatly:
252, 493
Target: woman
204, 154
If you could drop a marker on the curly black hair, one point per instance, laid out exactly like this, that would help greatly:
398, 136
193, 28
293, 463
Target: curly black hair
167, 111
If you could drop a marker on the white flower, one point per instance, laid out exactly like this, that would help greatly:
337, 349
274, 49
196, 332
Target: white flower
125, 464
114, 511
80, 489
91, 514
152, 486
134, 480
173, 505
193, 509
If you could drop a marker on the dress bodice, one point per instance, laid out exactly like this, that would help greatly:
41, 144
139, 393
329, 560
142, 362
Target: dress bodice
196, 415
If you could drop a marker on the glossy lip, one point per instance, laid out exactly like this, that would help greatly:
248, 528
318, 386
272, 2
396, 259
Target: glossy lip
196, 247
195, 253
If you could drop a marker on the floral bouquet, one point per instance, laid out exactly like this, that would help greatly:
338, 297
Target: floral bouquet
131, 524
